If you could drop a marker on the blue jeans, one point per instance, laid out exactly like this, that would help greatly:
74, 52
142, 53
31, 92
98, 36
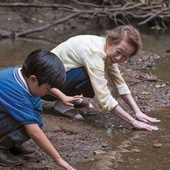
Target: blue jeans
77, 82
14, 129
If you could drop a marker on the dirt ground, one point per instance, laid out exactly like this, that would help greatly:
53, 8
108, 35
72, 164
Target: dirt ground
77, 140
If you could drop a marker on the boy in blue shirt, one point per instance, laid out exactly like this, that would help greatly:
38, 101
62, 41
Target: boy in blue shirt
20, 106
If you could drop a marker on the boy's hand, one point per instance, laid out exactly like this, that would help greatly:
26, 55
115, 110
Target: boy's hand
64, 164
70, 100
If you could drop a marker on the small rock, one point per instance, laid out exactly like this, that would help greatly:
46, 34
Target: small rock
98, 152
157, 145
104, 144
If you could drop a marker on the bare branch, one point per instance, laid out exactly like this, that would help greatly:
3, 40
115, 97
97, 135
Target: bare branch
153, 16
44, 5
46, 26
120, 12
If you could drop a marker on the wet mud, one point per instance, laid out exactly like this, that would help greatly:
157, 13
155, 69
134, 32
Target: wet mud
101, 141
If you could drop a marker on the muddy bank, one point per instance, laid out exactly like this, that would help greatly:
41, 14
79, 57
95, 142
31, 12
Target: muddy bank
79, 141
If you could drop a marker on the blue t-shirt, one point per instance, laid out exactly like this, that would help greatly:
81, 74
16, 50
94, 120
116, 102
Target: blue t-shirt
16, 100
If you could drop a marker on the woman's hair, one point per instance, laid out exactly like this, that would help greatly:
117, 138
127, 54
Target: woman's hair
128, 33
46, 66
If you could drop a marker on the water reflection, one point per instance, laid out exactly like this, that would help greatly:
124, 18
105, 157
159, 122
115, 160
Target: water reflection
162, 69
13, 52
156, 40
134, 150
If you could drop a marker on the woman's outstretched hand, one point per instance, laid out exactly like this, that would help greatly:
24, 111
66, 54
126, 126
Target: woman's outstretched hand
144, 118
143, 126
141, 123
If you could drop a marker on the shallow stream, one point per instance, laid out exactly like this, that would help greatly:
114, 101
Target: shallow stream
13, 52
135, 150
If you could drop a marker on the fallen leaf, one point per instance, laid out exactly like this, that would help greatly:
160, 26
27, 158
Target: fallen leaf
160, 85
136, 150
40, 21
148, 76
162, 109
98, 152
33, 19
144, 92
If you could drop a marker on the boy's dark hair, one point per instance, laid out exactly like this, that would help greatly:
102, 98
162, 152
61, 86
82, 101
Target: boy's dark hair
46, 66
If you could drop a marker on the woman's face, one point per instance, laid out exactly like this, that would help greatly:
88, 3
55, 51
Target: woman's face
118, 53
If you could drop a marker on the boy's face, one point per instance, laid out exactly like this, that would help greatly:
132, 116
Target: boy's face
35, 89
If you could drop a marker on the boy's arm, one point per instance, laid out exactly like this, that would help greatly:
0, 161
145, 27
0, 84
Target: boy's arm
57, 93
38, 136
67, 100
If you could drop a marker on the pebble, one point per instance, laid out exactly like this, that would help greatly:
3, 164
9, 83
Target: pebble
157, 145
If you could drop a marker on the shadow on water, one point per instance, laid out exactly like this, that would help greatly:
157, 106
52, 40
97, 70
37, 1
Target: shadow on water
135, 150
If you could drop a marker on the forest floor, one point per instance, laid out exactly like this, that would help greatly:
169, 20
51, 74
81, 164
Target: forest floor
78, 140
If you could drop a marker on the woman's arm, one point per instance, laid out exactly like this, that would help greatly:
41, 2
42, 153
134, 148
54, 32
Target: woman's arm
38, 136
117, 80
67, 100
141, 116
119, 112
